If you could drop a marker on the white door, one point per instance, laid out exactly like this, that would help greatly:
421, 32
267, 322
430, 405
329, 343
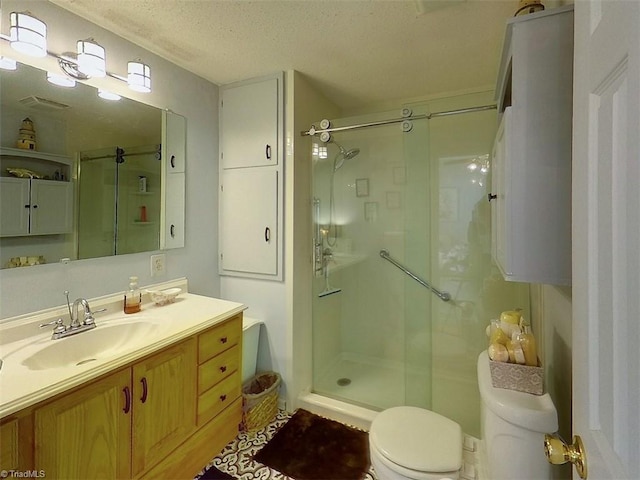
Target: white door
606, 237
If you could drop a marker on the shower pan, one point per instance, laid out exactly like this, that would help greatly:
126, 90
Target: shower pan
410, 258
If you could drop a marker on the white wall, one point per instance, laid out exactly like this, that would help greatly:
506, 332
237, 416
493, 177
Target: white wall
33, 288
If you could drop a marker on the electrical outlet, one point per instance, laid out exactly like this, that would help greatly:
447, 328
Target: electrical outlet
158, 265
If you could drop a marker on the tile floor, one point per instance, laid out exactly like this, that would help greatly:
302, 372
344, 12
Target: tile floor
237, 457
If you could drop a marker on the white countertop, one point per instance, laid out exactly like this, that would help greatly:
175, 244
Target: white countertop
22, 385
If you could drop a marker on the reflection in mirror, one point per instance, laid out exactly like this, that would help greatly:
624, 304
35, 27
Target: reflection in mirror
119, 207
76, 137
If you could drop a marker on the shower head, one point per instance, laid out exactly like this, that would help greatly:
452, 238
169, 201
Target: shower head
343, 155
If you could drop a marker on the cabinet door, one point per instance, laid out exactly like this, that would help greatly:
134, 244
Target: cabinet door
86, 434
164, 389
174, 138
250, 116
172, 221
499, 227
51, 207
248, 221
14, 206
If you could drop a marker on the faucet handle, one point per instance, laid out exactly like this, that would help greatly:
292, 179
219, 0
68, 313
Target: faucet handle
88, 316
59, 325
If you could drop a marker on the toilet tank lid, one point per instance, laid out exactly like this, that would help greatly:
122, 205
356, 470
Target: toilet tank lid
418, 439
248, 322
533, 412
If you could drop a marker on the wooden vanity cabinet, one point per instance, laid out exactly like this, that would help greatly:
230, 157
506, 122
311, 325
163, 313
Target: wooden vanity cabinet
85, 434
140, 421
16, 441
164, 393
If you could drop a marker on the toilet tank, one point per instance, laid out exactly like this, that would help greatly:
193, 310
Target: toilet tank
513, 425
250, 342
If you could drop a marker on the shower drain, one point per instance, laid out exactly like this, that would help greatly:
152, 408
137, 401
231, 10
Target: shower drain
343, 382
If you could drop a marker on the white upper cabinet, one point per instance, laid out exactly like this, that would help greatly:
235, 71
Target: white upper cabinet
251, 114
174, 139
33, 206
251, 178
531, 166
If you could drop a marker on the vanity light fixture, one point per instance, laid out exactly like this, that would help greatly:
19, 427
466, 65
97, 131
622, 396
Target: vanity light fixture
60, 80
139, 76
27, 34
107, 95
7, 63
91, 58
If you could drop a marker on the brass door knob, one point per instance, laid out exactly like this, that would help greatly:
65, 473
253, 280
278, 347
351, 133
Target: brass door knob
558, 453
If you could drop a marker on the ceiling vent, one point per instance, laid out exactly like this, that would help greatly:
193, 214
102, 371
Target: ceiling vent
42, 103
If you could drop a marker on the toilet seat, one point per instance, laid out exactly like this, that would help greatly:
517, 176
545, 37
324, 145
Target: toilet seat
415, 441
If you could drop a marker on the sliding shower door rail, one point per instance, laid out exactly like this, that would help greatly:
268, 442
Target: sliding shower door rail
313, 130
444, 296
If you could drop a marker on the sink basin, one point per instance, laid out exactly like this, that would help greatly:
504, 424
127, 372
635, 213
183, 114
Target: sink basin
102, 342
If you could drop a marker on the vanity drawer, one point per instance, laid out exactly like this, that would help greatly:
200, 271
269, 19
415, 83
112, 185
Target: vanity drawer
219, 397
219, 339
217, 368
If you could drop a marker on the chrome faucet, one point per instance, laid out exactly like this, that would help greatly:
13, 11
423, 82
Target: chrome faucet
75, 321
60, 330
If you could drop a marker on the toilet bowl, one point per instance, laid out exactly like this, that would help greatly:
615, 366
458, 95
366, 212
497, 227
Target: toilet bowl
414, 443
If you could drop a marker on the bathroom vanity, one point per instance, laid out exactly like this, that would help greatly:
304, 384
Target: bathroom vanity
160, 396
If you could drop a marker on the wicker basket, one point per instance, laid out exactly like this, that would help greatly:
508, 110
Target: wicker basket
260, 400
521, 378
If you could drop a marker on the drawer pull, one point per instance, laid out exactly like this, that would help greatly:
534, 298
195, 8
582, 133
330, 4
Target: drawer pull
223, 340
223, 368
223, 398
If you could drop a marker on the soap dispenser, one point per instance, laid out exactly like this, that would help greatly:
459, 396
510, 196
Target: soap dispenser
133, 297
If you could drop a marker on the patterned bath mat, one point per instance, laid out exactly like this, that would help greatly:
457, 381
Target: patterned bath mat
310, 447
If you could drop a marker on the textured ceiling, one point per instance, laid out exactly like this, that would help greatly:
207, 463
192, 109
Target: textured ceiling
356, 52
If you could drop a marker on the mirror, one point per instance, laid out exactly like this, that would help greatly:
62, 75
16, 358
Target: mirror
116, 207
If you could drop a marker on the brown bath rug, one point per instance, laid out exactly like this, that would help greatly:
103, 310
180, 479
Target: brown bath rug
213, 473
310, 447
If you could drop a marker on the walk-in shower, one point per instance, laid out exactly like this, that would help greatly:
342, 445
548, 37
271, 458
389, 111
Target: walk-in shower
403, 235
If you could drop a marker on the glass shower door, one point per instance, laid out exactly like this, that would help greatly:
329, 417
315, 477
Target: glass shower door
359, 307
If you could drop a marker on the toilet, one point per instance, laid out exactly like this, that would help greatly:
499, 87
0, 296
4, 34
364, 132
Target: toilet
414, 443
250, 341
513, 425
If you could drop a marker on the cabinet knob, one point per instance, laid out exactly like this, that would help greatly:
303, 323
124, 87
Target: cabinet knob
223, 398
491, 196
223, 368
223, 339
